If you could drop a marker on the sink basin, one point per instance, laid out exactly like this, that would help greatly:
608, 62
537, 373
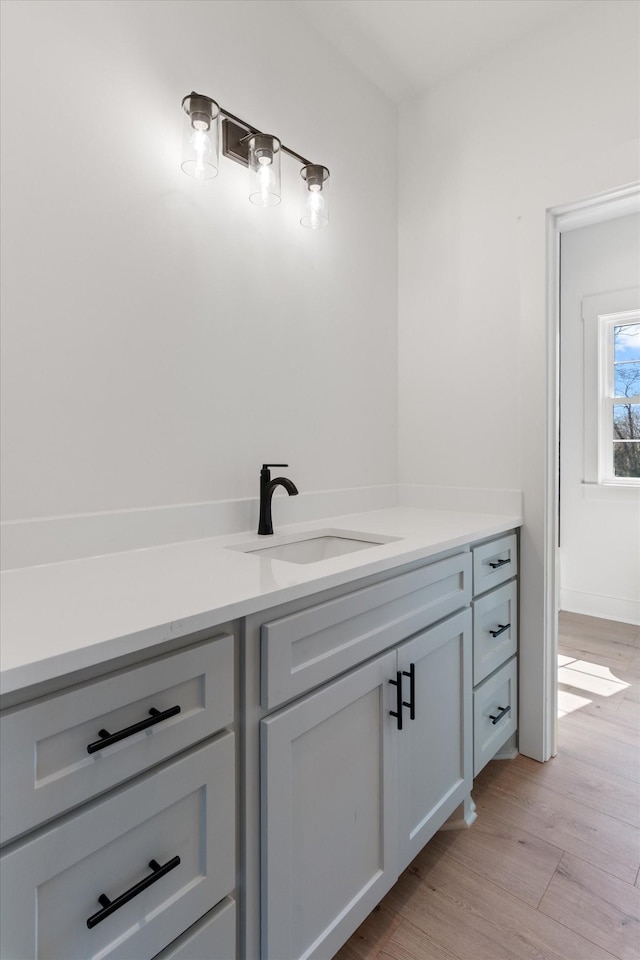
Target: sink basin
313, 546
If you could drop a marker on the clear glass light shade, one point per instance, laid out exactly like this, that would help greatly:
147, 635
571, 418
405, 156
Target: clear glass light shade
200, 142
264, 170
314, 209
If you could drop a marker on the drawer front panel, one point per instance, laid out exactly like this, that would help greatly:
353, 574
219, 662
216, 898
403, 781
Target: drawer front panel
305, 649
213, 937
490, 700
46, 743
51, 885
494, 562
491, 614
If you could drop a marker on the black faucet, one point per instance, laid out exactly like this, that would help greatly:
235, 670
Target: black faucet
267, 486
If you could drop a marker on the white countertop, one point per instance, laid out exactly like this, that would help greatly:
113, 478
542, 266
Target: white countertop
63, 617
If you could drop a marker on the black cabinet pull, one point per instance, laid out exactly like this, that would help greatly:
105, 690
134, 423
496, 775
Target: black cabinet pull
501, 629
411, 673
502, 710
106, 738
499, 563
397, 713
110, 906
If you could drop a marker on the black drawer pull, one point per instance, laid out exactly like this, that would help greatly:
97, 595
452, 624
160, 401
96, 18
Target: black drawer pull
499, 563
411, 673
502, 710
501, 629
106, 738
397, 713
110, 906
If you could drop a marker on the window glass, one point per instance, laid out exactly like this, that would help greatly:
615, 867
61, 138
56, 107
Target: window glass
626, 360
612, 388
626, 439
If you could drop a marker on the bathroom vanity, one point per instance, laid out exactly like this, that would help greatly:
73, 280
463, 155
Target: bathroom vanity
250, 780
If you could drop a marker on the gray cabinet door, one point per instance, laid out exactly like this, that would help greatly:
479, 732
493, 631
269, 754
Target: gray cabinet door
435, 748
329, 815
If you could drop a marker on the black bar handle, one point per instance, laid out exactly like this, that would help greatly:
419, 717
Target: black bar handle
411, 673
106, 738
502, 710
110, 906
501, 629
397, 683
499, 563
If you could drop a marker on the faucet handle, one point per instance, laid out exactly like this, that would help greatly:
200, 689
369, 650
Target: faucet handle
266, 466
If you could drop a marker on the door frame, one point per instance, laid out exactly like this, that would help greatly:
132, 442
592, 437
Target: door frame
561, 219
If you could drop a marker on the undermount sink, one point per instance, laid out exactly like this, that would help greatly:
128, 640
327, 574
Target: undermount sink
313, 546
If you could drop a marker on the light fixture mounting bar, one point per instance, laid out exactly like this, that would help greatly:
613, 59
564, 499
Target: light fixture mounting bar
234, 131
296, 156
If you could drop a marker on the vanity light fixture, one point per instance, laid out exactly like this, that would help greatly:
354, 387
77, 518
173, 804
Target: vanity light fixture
259, 152
201, 136
314, 211
264, 169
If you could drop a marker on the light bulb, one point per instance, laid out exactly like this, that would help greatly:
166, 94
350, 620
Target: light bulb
315, 206
202, 147
265, 179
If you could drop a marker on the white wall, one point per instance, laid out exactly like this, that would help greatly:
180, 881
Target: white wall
161, 337
483, 156
600, 526
471, 151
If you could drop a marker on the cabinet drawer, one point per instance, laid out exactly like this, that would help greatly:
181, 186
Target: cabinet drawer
491, 726
213, 937
492, 613
307, 648
494, 562
45, 744
50, 885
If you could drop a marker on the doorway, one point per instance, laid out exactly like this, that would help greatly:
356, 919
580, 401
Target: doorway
596, 516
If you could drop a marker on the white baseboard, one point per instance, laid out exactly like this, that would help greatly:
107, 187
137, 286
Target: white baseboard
27, 543
509, 502
594, 605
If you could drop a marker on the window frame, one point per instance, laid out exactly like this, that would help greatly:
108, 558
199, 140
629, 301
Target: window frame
607, 399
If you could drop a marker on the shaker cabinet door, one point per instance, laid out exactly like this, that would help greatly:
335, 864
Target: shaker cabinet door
435, 747
329, 816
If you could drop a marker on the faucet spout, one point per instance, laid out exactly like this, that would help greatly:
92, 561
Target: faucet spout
267, 487
289, 485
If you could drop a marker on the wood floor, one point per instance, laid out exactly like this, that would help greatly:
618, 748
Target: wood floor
550, 869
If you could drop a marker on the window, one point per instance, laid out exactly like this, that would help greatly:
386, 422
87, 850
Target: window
619, 416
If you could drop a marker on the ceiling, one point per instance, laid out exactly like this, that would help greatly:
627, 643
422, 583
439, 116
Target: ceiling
406, 46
